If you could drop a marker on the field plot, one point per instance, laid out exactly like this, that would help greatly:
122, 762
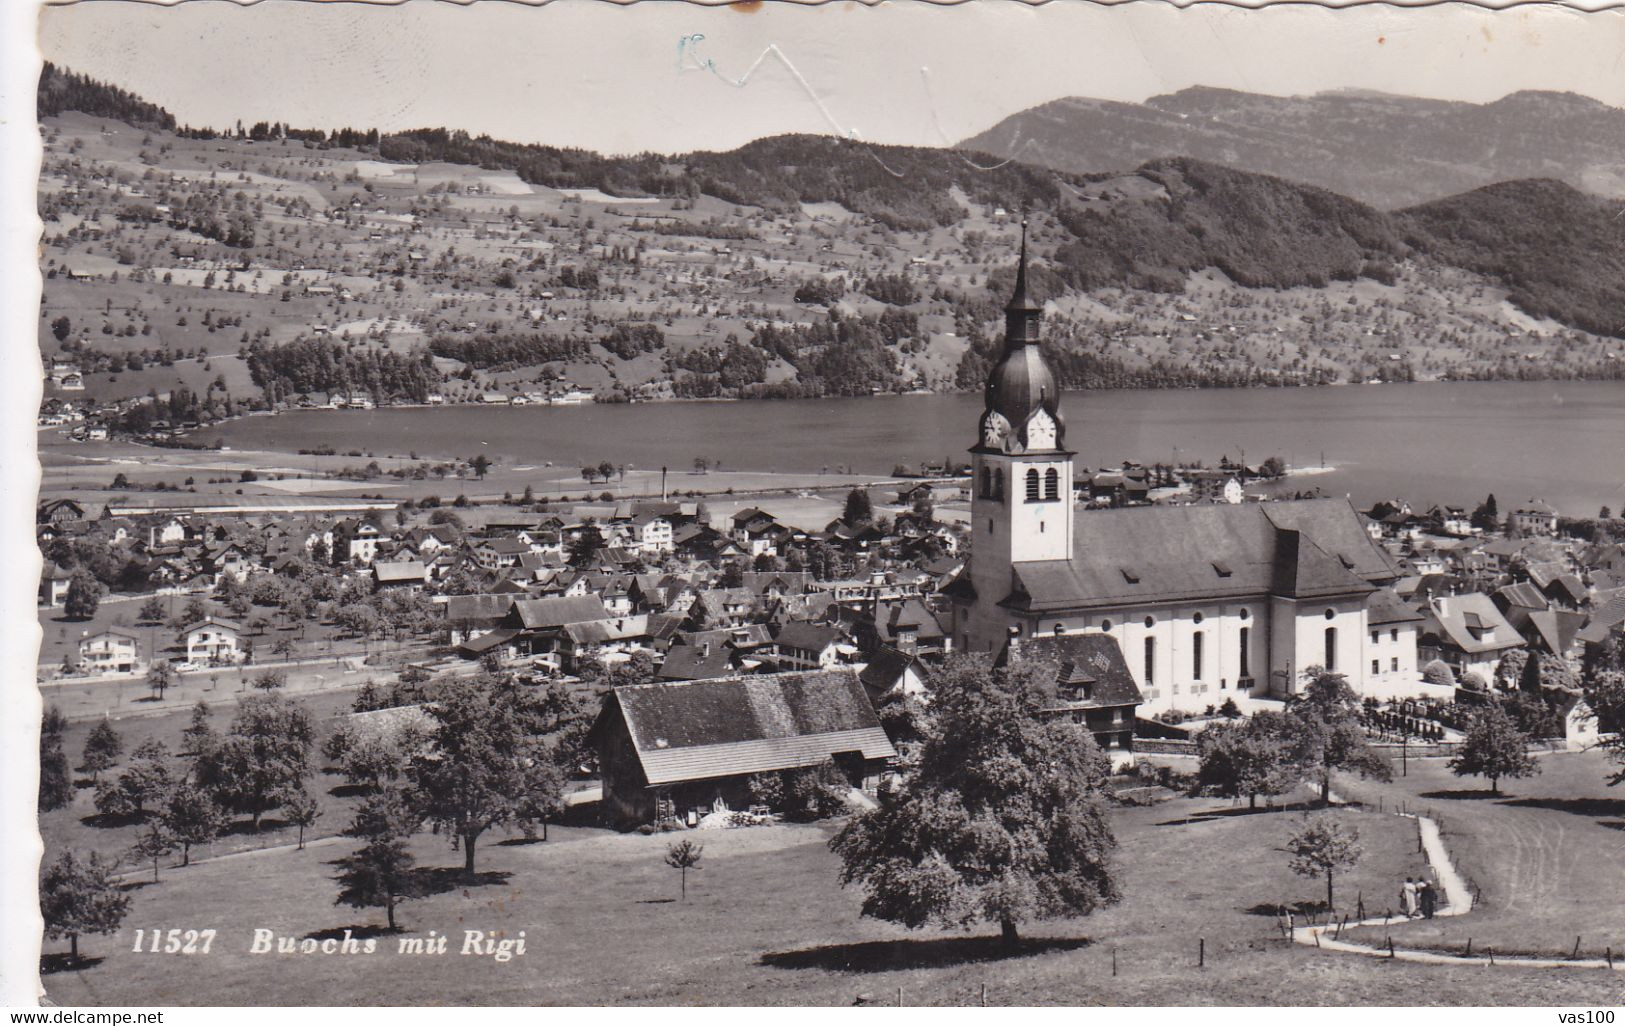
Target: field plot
1548, 856
765, 922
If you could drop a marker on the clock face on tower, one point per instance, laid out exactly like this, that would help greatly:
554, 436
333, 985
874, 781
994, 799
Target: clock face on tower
1041, 431
994, 431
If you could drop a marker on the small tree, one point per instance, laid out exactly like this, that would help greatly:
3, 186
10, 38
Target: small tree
192, 817
153, 842
481, 465
1323, 847
302, 809
79, 896
1605, 694
382, 872
1494, 748
159, 678
151, 611
102, 749
84, 595
1249, 759
683, 856
55, 783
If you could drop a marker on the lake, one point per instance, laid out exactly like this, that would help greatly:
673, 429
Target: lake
1448, 443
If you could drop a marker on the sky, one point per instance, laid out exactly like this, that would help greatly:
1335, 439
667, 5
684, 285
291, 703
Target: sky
672, 77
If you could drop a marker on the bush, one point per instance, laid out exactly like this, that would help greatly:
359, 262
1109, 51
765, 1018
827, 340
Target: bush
815, 792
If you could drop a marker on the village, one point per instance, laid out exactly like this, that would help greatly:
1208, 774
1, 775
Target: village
1001, 726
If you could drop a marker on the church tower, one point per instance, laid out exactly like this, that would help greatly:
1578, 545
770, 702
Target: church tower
1021, 507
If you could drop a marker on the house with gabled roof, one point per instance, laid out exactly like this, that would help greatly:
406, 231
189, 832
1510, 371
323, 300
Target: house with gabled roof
1091, 687
669, 748
1468, 634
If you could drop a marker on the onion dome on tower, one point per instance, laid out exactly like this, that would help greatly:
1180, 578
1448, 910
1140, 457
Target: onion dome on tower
1023, 410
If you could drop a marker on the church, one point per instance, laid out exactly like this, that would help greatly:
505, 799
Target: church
1206, 602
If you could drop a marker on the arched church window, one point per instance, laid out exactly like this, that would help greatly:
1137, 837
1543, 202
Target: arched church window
1331, 649
1052, 483
1032, 485
987, 482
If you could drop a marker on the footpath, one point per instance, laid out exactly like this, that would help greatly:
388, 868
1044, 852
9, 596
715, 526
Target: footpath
1458, 901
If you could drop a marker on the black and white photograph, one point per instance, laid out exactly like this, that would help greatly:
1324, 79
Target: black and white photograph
764, 504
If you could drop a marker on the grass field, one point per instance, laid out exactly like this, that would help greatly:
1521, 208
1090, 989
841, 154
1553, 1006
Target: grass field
766, 923
1548, 855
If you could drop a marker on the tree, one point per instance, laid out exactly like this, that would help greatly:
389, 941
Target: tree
1328, 732
84, 595
1438, 672
683, 856
302, 809
191, 816
1486, 517
1605, 694
199, 737
479, 771
60, 328
1323, 847
151, 611
381, 873
1509, 671
583, 546
481, 465
1248, 759
80, 896
270, 680
140, 788
859, 510
160, 675
102, 749
1494, 748
1003, 821
55, 782
152, 843
266, 751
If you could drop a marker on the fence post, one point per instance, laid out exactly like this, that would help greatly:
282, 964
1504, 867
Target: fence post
1469, 947
1114, 961
1610, 956
984, 994
1491, 950
1576, 955
1201, 952
1391, 945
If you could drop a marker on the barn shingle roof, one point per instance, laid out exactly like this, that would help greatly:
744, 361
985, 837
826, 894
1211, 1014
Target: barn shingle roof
691, 730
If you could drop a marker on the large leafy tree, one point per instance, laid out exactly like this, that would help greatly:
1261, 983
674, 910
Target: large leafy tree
84, 596
55, 783
79, 896
484, 767
191, 817
1003, 822
1493, 748
1328, 732
266, 752
1249, 759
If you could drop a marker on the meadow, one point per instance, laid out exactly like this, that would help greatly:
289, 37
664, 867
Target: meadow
765, 922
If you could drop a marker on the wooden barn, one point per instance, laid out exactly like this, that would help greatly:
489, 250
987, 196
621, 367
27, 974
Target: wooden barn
671, 747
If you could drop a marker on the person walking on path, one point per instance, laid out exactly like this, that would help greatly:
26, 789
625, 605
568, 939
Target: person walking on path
1429, 899
1407, 898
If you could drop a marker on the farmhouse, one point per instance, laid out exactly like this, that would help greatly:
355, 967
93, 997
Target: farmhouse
667, 748
1207, 602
